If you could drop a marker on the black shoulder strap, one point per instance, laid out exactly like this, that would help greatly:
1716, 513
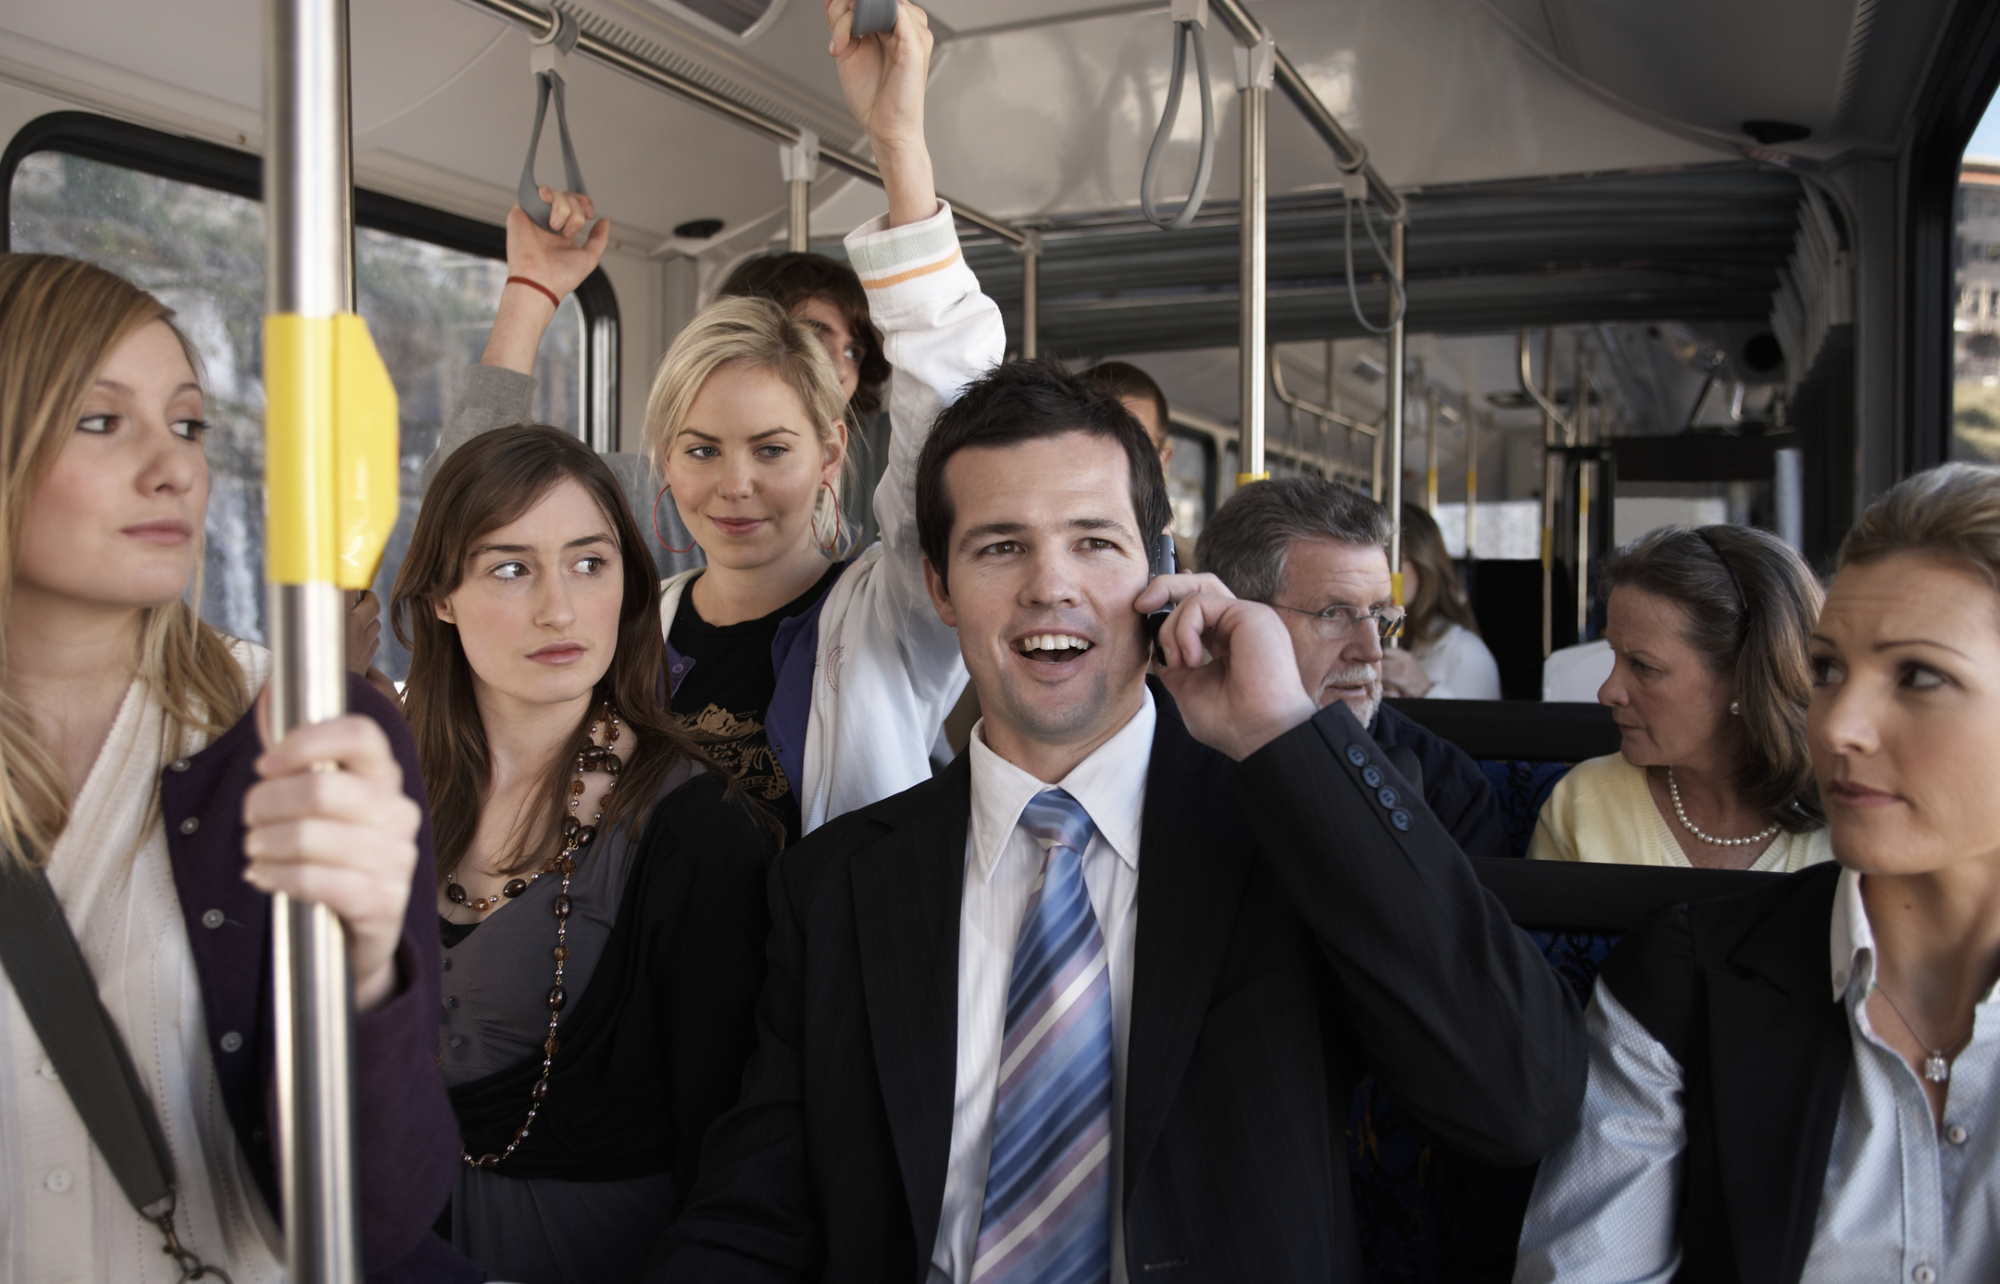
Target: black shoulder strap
56, 990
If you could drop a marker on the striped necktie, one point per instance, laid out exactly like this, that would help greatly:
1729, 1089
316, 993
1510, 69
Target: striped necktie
1047, 1215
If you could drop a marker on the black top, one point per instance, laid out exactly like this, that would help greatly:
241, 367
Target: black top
654, 1047
1300, 926
1455, 789
726, 696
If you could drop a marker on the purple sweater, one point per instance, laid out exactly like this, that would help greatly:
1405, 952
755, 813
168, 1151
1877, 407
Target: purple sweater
406, 1140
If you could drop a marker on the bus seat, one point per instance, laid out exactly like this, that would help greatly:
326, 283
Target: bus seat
1423, 1213
1523, 747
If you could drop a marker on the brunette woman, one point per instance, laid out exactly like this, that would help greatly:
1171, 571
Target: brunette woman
131, 784
601, 886
818, 676
1799, 1083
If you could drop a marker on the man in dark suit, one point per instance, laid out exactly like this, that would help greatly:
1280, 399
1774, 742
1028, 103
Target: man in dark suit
992, 1049
1318, 551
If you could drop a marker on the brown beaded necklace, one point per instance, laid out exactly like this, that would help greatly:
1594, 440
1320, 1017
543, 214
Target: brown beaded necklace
577, 838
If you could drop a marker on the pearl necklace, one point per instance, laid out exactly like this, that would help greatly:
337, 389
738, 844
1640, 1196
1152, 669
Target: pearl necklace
1680, 813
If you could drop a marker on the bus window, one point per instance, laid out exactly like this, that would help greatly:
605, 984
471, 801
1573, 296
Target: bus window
1190, 479
202, 252
1975, 408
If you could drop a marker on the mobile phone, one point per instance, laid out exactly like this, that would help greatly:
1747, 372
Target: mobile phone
871, 16
1159, 561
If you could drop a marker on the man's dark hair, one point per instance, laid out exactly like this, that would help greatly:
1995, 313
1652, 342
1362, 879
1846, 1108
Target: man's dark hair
1025, 401
1126, 381
1245, 542
794, 278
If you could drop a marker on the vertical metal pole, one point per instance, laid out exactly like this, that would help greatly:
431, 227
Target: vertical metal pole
1256, 69
1430, 428
1031, 300
1471, 479
1580, 416
1394, 424
1332, 403
1552, 474
801, 221
308, 195
799, 162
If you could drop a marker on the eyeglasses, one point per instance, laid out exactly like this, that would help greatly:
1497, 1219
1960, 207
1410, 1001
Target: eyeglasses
1337, 623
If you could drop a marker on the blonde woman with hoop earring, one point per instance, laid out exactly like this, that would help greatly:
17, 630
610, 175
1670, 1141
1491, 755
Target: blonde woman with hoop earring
818, 674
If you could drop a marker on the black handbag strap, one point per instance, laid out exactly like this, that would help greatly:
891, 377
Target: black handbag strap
53, 984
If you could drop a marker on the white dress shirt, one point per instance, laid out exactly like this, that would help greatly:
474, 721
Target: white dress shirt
1901, 1202
1002, 864
64, 1219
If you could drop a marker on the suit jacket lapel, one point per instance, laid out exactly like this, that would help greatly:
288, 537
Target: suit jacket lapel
1779, 1054
1193, 861
907, 888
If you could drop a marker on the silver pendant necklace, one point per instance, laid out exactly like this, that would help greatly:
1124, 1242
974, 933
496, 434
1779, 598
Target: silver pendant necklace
1937, 1066
1680, 813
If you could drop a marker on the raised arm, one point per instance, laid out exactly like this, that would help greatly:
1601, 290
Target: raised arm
939, 331
500, 390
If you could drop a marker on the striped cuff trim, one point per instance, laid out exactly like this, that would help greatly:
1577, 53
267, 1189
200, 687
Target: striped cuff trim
884, 254
884, 282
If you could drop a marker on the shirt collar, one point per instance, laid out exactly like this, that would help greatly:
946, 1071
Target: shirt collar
1110, 783
1853, 940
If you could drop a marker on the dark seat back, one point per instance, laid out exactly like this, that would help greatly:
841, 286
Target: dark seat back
1423, 1212
1524, 747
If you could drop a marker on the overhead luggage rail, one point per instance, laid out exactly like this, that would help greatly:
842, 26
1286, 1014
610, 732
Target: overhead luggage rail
542, 22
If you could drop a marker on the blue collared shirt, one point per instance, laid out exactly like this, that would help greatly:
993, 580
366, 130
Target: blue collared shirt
1905, 1200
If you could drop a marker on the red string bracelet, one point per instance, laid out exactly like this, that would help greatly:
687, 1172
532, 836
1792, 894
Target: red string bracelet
536, 285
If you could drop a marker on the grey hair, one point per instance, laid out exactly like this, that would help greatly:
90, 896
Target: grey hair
1245, 543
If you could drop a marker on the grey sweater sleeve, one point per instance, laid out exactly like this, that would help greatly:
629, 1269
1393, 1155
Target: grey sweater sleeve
495, 397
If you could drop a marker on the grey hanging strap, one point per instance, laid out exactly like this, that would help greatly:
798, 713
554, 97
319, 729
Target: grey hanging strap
548, 58
55, 989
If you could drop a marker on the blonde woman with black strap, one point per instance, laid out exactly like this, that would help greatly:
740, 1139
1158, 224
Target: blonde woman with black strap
136, 780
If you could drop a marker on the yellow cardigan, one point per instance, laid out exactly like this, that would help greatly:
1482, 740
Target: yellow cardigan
1603, 812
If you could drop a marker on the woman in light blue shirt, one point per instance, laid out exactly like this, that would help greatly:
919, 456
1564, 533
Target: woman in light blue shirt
1794, 1084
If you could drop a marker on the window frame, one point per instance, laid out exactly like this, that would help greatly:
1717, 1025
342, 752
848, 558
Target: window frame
240, 173
1957, 88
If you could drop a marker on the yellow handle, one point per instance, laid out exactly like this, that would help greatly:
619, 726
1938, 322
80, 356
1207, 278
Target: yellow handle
332, 481
1244, 479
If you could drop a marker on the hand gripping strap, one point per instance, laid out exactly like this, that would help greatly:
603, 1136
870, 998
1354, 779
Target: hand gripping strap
548, 67
55, 989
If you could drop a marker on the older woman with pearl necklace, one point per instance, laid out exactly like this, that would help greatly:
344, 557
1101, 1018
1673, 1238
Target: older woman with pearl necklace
1709, 690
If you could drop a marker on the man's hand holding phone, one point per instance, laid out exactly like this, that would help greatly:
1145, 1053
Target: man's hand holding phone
1229, 664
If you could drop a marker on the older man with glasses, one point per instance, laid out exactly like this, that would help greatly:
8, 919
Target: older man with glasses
1318, 552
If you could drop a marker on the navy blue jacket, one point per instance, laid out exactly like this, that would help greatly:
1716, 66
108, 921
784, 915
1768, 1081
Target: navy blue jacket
406, 1141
